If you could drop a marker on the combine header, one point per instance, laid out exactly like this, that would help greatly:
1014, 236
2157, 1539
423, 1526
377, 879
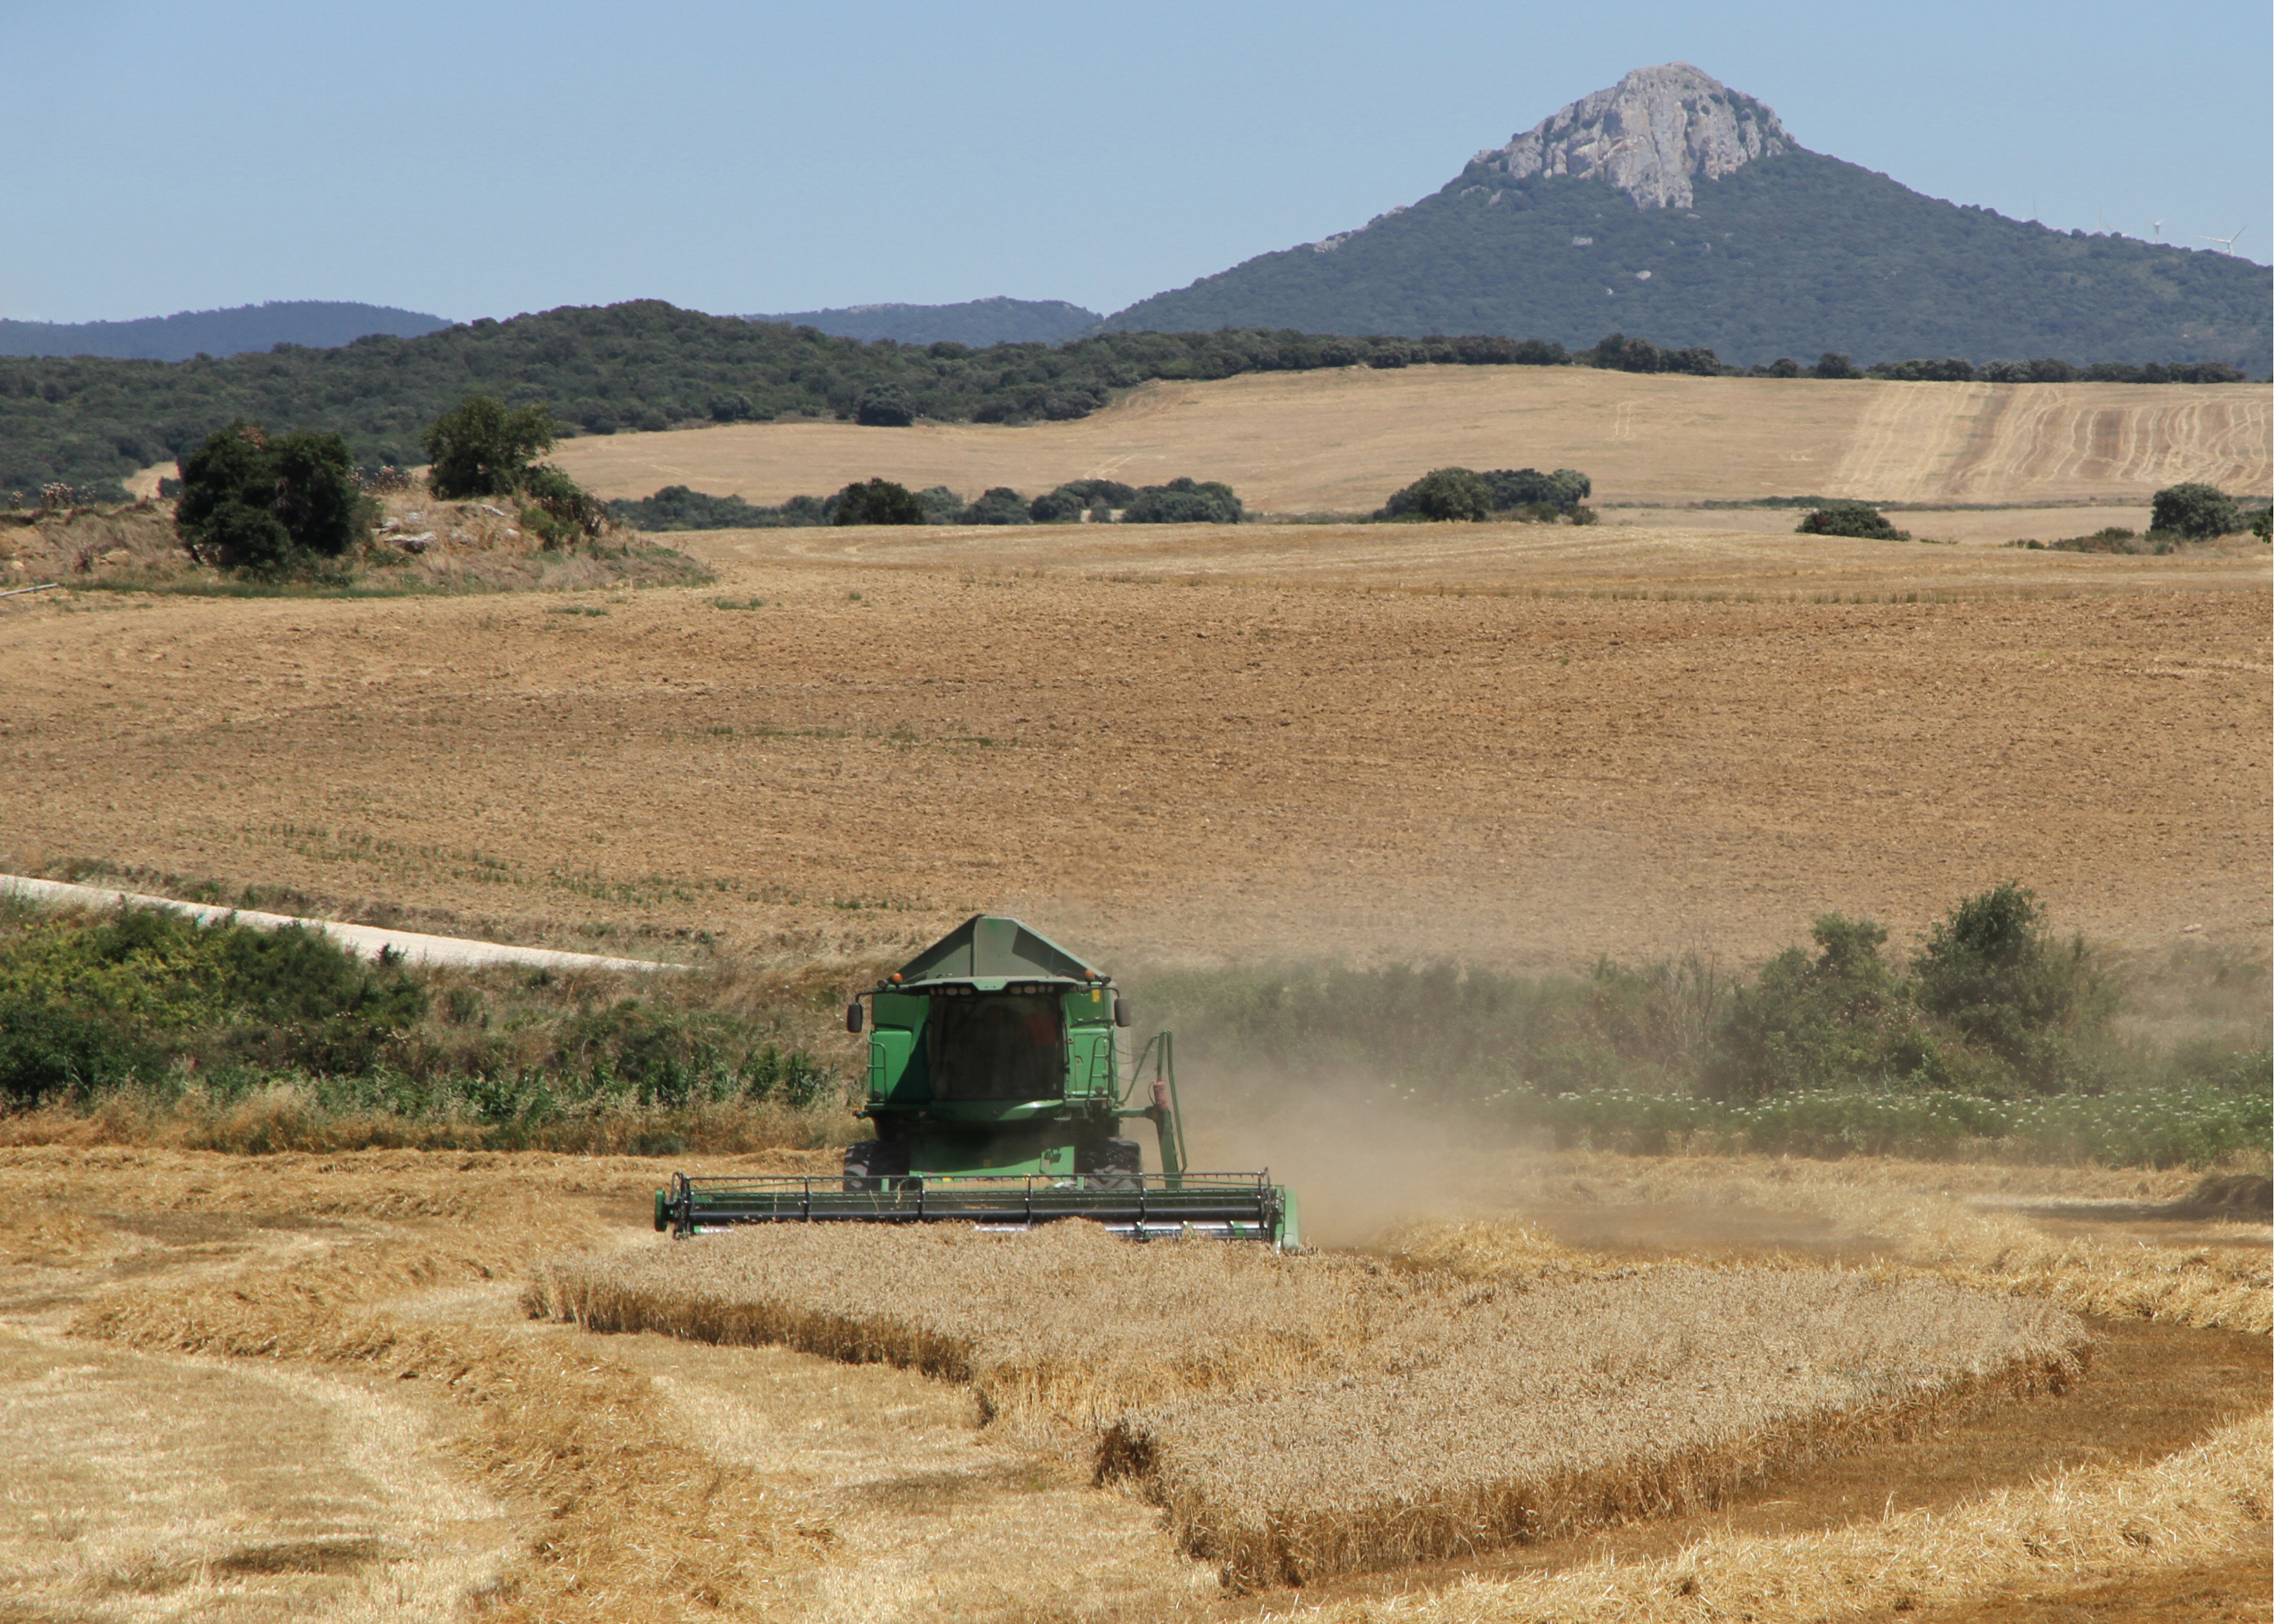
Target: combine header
998, 1088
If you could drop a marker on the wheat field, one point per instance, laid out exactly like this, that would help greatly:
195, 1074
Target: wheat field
243, 1385
1303, 1417
1342, 441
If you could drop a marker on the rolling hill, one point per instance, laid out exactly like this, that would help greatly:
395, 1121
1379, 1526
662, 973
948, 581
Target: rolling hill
311, 324
1673, 205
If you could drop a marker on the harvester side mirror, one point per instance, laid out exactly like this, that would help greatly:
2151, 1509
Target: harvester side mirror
1121, 1011
853, 1016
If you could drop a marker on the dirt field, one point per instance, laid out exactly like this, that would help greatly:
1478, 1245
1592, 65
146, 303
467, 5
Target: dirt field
1343, 441
1521, 745
339, 1412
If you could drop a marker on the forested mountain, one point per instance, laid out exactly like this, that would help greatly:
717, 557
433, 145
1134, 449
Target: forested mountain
1673, 205
977, 321
312, 323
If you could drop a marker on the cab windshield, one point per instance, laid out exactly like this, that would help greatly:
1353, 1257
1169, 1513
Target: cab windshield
998, 1046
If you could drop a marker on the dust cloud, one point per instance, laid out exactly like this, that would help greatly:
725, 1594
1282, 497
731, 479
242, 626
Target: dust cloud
1359, 1159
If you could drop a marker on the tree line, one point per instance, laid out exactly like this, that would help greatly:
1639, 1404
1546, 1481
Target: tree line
883, 501
89, 422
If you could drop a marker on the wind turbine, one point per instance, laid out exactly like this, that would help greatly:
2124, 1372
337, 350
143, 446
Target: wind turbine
2228, 244
2156, 226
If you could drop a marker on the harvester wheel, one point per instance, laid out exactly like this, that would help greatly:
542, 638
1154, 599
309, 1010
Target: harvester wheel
1110, 1164
873, 1161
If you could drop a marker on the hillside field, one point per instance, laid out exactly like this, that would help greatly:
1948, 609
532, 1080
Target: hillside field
1343, 441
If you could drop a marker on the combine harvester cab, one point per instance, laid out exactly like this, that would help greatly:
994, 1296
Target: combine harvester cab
999, 1090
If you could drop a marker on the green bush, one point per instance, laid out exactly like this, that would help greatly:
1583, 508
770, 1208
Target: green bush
270, 505
151, 1000
1065, 504
998, 505
887, 407
1564, 491
1993, 973
1842, 1019
480, 447
678, 507
559, 509
1183, 502
877, 501
1447, 493
2195, 510
1859, 519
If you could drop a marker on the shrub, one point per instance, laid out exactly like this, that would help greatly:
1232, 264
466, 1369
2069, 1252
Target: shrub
480, 447
270, 505
1563, 491
942, 506
1953, 371
47, 1051
1070, 501
1442, 494
877, 501
2195, 510
885, 406
1183, 502
678, 507
730, 408
559, 509
1860, 519
1840, 1019
1991, 971
998, 505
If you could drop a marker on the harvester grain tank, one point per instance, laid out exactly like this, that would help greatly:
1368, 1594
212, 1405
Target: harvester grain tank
1001, 1092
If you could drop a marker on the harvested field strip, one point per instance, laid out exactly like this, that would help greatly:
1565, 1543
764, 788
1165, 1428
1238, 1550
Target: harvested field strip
2081, 1526
633, 1515
1299, 1416
1913, 1212
1530, 1413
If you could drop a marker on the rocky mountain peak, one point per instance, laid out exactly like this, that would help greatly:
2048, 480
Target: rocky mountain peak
1650, 135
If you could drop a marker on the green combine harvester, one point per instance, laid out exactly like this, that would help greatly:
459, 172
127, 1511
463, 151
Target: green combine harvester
999, 1089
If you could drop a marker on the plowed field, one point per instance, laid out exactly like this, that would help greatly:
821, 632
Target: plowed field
1524, 745
1343, 441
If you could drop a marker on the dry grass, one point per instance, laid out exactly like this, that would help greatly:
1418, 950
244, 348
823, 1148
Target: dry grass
2088, 1524
1300, 1417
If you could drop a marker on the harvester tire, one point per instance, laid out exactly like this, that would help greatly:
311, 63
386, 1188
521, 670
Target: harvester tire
870, 1163
1110, 1164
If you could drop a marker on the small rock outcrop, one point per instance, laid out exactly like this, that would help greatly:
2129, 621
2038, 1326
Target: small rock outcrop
1651, 135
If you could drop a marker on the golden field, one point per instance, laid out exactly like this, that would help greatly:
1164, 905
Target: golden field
1343, 441
343, 1409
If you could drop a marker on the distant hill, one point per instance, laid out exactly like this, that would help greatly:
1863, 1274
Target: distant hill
1673, 206
312, 323
976, 321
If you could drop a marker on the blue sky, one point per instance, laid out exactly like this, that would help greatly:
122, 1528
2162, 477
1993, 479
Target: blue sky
482, 159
